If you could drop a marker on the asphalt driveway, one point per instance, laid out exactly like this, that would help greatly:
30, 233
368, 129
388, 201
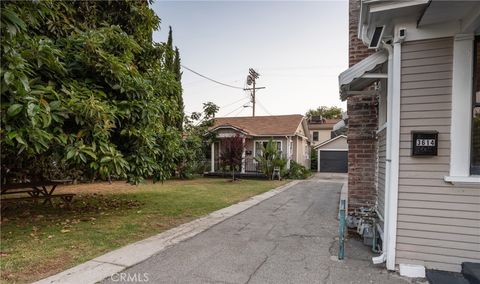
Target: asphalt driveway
289, 238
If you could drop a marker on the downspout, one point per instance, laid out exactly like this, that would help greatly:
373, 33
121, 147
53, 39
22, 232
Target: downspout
395, 157
383, 257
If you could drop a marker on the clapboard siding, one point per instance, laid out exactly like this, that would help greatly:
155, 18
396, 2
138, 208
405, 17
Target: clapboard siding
438, 223
437, 243
381, 165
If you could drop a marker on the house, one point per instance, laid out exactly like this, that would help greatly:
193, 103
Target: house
413, 102
290, 132
320, 129
332, 155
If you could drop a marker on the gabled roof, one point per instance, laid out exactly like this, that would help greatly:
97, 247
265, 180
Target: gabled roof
330, 141
262, 125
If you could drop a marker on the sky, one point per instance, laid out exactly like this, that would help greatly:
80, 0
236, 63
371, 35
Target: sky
299, 48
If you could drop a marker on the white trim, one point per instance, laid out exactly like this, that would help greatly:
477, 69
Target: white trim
228, 127
392, 205
470, 180
375, 75
328, 141
460, 132
212, 159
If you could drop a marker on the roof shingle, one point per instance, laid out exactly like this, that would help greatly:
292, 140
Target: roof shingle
263, 125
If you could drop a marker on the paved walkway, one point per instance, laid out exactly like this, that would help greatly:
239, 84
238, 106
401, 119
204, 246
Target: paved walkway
289, 238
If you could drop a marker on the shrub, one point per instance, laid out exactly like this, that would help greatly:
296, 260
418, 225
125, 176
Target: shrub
271, 159
298, 171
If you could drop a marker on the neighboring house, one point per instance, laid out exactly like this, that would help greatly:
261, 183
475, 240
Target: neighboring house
332, 155
290, 132
320, 129
416, 156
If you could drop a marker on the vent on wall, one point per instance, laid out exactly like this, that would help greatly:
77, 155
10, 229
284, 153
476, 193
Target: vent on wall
376, 38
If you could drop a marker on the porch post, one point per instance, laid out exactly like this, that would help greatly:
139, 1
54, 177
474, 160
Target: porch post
212, 159
243, 155
288, 152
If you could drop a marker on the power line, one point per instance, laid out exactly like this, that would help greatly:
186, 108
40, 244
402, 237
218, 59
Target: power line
242, 99
210, 79
238, 113
240, 107
263, 107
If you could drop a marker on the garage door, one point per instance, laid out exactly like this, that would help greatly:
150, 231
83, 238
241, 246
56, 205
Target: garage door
333, 161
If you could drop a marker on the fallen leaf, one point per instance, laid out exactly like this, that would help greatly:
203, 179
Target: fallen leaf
64, 231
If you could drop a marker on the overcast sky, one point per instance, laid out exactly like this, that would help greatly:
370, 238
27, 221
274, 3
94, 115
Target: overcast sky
299, 48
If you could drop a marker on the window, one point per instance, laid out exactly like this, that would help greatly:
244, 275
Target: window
259, 145
315, 135
475, 161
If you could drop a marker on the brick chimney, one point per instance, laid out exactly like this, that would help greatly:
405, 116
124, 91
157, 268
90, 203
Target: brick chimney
362, 126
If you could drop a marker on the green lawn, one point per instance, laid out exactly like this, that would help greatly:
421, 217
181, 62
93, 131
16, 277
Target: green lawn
38, 241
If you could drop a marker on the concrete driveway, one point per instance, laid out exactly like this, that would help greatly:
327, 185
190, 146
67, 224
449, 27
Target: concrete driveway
289, 238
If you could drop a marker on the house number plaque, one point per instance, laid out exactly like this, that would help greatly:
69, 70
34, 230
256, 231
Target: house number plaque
424, 143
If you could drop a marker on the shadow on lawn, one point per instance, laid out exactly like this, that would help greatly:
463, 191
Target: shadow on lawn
82, 204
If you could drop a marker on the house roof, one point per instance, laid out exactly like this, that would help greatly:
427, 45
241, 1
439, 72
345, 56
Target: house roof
330, 141
262, 125
326, 124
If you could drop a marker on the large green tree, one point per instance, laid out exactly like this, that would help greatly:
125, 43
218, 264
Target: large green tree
325, 112
85, 92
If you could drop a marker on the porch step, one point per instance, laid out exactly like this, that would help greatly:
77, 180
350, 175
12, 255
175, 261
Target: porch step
471, 271
445, 277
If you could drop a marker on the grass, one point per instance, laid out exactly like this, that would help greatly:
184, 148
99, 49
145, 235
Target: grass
40, 240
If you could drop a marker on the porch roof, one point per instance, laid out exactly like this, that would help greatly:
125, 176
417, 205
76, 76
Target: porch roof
362, 74
274, 125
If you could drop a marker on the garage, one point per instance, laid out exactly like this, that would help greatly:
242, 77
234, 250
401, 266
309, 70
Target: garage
333, 155
333, 161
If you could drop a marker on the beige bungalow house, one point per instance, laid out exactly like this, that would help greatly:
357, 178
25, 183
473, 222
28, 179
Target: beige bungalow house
290, 132
413, 100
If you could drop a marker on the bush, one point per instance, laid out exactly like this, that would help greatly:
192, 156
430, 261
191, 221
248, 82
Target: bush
314, 160
298, 171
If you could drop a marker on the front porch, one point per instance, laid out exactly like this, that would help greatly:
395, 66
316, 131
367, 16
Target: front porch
250, 168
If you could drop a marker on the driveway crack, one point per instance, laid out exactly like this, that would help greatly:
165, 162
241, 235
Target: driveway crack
308, 208
262, 263
256, 269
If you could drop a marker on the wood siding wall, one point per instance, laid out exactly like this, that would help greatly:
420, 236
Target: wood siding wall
381, 169
438, 223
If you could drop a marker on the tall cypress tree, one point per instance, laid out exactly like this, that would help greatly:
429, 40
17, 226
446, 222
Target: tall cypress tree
178, 76
169, 53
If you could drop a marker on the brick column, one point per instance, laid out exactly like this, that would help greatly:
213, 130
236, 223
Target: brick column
362, 126
362, 143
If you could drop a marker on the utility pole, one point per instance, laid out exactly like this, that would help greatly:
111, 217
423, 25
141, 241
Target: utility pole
252, 76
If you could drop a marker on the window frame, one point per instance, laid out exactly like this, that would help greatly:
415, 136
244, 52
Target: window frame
462, 84
318, 136
474, 169
266, 141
